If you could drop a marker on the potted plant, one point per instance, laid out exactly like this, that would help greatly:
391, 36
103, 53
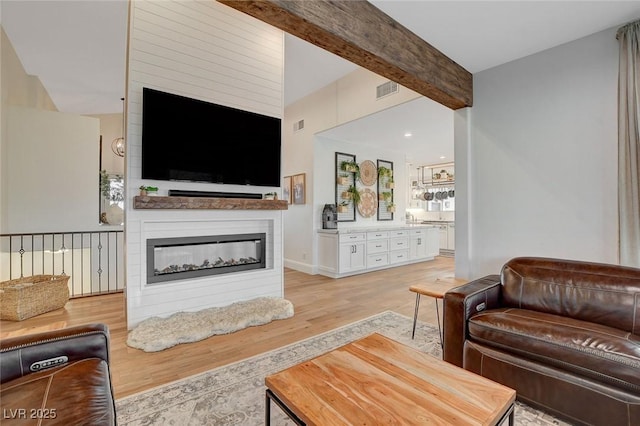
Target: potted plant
112, 193
343, 207
391, 207
389, 184
148, 190
384, 172
354, 194
385, 196
112, 189
351, 167
343, 179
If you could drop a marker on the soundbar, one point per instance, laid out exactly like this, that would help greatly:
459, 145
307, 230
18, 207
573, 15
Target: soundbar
213, 194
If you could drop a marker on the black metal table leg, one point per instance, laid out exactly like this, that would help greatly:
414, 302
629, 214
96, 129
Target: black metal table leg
440, 335
270, 396
415, 315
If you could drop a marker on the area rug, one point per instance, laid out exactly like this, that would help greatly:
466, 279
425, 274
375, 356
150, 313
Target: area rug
155, 334
234, 394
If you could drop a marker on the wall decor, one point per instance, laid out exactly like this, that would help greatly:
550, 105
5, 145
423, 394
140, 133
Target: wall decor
299, 188
368, 173
346, 172
368, 203
386, 205
286, 189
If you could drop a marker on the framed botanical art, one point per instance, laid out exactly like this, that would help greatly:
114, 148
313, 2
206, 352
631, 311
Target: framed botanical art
346, 171
298, 188
286, 189
386, 206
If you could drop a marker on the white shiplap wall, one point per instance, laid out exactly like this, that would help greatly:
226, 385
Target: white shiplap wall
207, 51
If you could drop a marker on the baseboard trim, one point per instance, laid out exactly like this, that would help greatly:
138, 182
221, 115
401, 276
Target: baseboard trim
299, 266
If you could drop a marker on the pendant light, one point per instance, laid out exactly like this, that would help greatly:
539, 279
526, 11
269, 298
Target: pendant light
117, 146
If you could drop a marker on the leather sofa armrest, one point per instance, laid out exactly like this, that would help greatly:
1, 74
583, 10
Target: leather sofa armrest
459, 304
23, 355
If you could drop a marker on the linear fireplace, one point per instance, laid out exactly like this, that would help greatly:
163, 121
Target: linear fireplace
170, 259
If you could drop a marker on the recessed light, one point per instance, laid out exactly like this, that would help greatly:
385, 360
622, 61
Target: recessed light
408, 134
442, 157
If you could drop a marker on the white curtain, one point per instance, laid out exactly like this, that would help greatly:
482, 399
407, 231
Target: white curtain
629, 144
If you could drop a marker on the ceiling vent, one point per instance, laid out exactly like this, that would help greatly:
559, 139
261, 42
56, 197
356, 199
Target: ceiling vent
386, 89
298, 125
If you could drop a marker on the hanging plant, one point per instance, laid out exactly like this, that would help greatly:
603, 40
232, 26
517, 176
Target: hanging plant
351, 167
355, 194
343, 179
343, 207
390, 184
384, 172
386, 196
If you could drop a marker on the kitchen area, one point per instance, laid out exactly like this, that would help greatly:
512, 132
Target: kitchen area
432, 201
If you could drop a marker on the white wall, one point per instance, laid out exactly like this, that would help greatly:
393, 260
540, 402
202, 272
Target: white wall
52, 174
347, 99
207, 51
542, 157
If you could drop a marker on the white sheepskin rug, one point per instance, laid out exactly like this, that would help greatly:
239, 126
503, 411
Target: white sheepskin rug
155, 334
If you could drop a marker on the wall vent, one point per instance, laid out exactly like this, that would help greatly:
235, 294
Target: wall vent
386, 89
298, 125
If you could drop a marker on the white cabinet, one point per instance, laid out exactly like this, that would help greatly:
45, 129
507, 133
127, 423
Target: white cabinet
347, 253
377, 249
399, 246
418, 244
451, 236
444, 237
433, 242
352, 252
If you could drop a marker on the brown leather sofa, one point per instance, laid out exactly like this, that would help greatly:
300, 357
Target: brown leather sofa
564, 334
61, 377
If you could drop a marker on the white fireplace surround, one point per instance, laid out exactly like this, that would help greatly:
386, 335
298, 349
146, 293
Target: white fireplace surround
163, 299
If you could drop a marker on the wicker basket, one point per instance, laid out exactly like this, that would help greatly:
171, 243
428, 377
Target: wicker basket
26, 297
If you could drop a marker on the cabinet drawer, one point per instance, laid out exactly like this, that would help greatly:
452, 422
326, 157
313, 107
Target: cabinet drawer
377, 235
377, 246
417, 232
398, 256
349, 238
399, 233
375, 260
399, 243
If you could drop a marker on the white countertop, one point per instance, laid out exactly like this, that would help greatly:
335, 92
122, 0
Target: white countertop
374, 228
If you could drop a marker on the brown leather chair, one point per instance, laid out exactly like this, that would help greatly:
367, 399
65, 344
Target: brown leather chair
61, 377
564, 334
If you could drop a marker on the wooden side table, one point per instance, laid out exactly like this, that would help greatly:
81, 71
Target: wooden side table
436, 289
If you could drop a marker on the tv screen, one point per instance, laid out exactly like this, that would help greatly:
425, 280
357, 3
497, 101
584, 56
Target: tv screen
192, 140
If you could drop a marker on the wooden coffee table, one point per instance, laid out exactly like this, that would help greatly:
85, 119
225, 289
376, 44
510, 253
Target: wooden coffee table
376, 380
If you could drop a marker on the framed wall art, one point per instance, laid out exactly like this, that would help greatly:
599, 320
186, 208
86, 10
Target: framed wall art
347, 171
286, 189
298, 188
386, 205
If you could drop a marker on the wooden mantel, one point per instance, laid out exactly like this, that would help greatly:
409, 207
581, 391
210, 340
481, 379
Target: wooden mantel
201, 203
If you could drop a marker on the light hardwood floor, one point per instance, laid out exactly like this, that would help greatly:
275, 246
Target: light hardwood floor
320, 304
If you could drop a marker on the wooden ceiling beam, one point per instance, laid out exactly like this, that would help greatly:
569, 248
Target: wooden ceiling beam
363, 34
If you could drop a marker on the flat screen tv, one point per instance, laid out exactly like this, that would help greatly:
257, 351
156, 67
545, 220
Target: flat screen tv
186, 139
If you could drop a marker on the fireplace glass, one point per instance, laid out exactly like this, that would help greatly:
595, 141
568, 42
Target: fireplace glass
180, 258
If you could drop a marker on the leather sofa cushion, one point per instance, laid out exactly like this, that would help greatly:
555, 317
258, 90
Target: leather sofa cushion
76, 393
592, 350
605, 294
